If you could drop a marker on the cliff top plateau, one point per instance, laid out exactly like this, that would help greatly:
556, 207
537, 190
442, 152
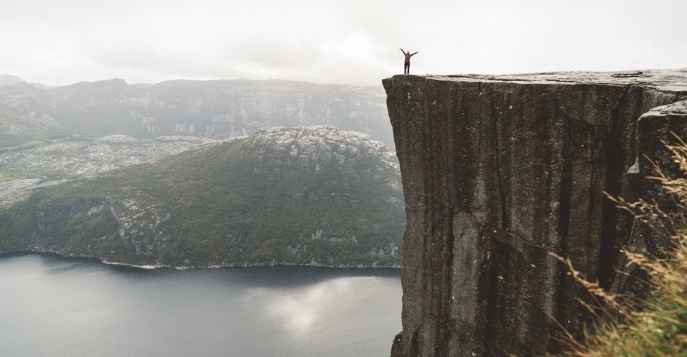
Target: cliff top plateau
663, 79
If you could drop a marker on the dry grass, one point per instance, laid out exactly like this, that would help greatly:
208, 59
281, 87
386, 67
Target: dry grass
659, 328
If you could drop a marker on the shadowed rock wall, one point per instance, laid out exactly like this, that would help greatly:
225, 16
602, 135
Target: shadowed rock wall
497, 172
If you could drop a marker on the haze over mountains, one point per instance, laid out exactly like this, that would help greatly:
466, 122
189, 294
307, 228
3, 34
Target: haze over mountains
218, 109
7, 79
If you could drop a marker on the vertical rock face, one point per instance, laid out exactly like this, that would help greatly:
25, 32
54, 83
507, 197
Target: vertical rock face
498, 172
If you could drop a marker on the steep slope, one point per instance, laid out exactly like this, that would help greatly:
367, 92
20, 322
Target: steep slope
498, 171
26, 113
308, 195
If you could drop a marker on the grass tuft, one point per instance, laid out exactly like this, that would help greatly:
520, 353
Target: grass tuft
657, 326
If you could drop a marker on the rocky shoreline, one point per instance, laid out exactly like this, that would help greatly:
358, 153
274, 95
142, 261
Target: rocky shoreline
181, 267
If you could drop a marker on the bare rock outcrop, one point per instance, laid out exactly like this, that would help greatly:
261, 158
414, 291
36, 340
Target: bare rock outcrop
497, 172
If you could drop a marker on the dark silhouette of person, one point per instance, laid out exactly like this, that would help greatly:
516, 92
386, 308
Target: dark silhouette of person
406, 64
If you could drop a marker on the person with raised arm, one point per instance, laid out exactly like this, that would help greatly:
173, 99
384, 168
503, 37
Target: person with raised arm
406, 64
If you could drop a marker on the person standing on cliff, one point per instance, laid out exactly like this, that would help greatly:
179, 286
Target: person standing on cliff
406, 64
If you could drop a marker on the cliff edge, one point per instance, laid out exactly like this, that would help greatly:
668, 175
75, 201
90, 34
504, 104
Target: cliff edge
497, 172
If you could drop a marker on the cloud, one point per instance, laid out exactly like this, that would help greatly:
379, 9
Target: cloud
319, 41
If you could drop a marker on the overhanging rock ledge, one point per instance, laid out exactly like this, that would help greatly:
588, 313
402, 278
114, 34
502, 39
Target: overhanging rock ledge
497, 172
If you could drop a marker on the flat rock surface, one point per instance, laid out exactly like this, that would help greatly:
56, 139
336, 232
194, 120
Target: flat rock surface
664, 79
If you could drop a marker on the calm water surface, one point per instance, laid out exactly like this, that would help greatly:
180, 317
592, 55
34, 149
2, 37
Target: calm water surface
51, 306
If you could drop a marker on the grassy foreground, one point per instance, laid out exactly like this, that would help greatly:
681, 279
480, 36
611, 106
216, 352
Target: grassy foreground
659, 328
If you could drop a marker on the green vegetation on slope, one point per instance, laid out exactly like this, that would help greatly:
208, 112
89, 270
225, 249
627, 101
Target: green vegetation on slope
318, 196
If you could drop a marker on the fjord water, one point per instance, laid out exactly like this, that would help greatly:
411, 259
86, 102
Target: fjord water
52, 306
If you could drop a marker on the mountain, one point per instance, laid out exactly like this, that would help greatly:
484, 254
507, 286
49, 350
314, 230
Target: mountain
26, 114
8, 79
306, 195
46, 163
218, 109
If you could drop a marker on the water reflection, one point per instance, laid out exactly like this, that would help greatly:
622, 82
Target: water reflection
298, 311
57, 307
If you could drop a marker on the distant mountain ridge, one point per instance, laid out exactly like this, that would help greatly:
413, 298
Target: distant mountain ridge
306, 195
8, 79
216, 109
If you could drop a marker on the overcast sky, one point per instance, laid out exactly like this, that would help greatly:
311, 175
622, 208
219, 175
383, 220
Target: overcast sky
60, 42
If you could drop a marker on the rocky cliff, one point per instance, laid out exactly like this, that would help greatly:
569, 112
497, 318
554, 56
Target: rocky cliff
499, 171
